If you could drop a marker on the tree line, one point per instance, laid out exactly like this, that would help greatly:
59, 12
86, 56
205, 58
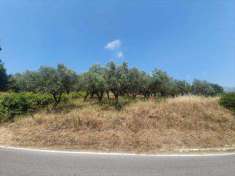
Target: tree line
99, 81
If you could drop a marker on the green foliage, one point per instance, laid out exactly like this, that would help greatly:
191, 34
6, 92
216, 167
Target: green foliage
134, 82
228, 101
27, 81
181, 87
14, 104
205, 88
161, 82
68, 78
54, 81
117, 78
50, 82
146, 83
75, 95
93, 82
217, 89
3, 77
54, 85
112, 79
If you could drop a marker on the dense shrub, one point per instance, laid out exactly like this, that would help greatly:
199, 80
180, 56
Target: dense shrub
228, 101
3, 77
14, 104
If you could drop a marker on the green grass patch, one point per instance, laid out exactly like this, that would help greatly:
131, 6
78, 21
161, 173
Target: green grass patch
228, 101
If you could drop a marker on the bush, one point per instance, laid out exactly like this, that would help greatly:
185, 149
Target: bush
228, 101
14, 104
76, 95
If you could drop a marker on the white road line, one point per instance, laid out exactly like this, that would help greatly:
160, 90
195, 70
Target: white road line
124, 154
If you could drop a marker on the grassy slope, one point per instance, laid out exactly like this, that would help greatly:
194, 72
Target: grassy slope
190, 122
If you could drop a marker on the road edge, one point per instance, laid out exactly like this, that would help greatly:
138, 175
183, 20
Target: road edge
228, 151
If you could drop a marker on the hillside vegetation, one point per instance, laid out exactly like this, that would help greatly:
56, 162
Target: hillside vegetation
31, 91
113, 108
142, 126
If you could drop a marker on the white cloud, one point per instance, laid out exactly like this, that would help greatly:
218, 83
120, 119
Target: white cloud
120, 54
115, 47
115, 44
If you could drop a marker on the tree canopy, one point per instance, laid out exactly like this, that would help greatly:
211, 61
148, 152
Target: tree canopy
3, 76
117, 79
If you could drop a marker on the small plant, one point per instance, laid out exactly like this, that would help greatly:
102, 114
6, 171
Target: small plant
228, 101
121, 103
118, 105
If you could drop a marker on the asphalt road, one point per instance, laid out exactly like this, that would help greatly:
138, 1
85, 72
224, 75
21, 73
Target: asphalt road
32, 163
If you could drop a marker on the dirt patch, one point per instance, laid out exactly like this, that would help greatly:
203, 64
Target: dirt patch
6, 136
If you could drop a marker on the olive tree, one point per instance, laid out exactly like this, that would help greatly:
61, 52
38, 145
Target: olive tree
25, 82
160, 82
94, 82
182, 87
134, 82
116, 77
145, 86
138, 83
54, 81
51, 82
217, 89
202, 88
68, 78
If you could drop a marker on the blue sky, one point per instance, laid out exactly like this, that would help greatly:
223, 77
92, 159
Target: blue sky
188, 39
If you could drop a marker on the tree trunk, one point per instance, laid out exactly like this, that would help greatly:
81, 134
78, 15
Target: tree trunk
57, 99
87, 94
92, 95
107, 92
116, 97
100, 96
134, 96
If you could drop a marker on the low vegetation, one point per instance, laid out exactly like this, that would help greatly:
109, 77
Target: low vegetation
142, 126
228, 101
15, 104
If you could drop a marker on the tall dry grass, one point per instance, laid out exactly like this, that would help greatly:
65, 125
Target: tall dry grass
144, 126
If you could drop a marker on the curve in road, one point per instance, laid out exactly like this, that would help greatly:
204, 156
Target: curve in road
19, 162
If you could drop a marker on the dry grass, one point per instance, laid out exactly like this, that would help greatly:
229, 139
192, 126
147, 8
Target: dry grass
144, 126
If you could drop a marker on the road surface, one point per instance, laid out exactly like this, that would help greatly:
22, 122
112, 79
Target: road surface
16, 162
